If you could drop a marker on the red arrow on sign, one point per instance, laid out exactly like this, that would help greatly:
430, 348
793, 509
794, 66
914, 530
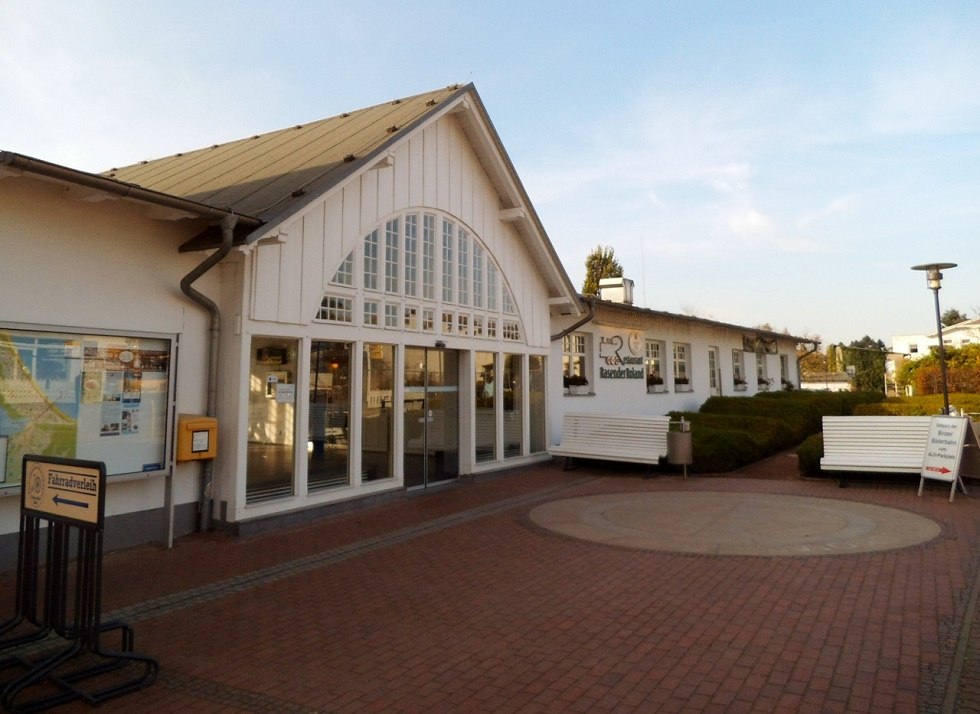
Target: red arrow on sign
938, 469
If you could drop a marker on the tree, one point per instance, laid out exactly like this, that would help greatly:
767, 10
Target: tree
925, 373
600, 263
952, 316
865, 360
809, 359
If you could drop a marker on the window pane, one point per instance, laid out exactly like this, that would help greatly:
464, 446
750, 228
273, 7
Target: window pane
328, 457
271, 422
513, 401
411, 255
537, 409
371, 261
391, 256
447, 261
486, 402
377, 455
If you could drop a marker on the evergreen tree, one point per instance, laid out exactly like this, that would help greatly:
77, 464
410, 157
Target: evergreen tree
600, 263
866, 359
952, 316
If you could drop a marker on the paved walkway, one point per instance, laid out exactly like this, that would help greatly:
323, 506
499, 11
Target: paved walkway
457, 599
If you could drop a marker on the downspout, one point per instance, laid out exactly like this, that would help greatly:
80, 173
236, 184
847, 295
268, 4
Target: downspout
227, 239
590, 301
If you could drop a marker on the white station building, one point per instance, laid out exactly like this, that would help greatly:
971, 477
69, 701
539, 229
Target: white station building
252, 333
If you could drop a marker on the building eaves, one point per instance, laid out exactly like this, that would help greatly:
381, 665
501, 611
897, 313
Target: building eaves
691, 319
11, 162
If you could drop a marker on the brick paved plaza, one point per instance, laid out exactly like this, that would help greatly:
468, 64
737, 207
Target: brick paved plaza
456, 600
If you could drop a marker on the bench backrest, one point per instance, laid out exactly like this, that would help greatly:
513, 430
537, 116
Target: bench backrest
886, 434
616, 430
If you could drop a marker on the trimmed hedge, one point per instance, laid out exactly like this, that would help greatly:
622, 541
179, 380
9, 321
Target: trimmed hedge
731, 432
926, 405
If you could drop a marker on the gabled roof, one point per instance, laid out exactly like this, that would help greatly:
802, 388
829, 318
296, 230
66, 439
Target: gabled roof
269, 177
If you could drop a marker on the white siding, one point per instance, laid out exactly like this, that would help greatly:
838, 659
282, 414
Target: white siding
435, 166
79, 265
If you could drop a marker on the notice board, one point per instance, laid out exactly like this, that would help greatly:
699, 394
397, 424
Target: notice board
948, 437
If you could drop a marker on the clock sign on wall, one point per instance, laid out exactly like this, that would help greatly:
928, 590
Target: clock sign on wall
635, 342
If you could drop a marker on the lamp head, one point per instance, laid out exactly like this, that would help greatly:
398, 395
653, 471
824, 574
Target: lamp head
933, 275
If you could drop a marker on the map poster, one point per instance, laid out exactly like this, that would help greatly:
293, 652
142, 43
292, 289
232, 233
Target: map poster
102, 398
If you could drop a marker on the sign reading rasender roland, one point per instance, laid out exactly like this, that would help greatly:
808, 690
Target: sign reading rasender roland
68, 490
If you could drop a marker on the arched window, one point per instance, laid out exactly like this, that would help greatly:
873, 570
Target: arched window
423, 272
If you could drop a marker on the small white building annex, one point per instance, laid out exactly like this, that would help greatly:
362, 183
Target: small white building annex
363, 304
623, 359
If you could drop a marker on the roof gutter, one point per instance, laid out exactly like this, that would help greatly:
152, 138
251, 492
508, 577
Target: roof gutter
575, 325
186, 286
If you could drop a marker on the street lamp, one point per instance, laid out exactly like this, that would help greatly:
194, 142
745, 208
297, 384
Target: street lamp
934, 282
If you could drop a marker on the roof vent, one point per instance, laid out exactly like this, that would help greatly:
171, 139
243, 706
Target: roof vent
430, 103
392, 129
297, 193
345, 114
396, 101
616, 290
349, 158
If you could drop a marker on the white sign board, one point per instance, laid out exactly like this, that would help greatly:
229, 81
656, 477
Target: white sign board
944, 449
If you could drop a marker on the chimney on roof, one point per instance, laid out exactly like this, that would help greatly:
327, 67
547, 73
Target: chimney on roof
616, 290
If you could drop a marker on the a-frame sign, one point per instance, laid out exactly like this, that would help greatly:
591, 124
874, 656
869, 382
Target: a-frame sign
949, 438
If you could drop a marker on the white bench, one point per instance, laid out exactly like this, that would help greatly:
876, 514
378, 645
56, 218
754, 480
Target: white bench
637, 439
885, 444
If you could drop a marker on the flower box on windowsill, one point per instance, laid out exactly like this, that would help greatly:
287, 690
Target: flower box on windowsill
578, 389
683, 388
656, 389
741, 387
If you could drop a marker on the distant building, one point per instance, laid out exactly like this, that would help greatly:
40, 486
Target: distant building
958, 335
913, 347
827, 382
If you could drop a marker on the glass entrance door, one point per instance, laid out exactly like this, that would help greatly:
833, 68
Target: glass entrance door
431, 414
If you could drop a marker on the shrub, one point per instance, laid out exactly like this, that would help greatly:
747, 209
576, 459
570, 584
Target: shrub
720, 450
809, 453
730, 432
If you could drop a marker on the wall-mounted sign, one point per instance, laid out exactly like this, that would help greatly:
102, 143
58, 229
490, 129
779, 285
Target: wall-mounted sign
617, 361
759, 344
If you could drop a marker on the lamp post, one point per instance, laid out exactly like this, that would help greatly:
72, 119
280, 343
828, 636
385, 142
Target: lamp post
934, 282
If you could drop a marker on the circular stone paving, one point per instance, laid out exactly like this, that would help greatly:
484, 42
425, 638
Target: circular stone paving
734, 523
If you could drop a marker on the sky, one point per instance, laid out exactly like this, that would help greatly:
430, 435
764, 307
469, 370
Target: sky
756, 163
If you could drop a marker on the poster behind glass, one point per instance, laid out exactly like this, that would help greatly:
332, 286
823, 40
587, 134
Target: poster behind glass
97, 397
